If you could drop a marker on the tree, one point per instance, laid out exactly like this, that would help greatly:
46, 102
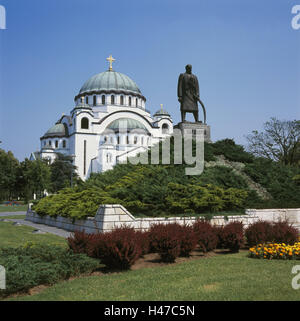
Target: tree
8, 173
33, 178
280, 141
63, 173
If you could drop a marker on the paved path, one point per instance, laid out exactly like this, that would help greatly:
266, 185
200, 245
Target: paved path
41, 227
11, 213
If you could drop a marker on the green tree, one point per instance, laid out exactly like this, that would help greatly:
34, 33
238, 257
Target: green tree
63, 173
280, 141
8, 173
34, 178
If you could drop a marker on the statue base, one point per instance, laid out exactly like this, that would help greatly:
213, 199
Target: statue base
189, 129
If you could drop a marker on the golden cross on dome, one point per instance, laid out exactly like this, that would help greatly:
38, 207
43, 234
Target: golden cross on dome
161, 107
110, 59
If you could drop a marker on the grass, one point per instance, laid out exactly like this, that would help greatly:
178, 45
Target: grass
13, 208
11, 235
20, 217
222, 277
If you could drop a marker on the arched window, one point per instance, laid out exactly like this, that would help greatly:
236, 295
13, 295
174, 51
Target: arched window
45, 143
127, 139
103, 99
87, 99
135, 139
118, 140
122, 100
112, 99
105, 139
56, 143
64, 144
112, 140
165, 129
49, 143
136, 102
84, 123
94, 100
129, 101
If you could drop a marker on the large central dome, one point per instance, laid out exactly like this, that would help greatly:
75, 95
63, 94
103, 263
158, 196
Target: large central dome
110, 81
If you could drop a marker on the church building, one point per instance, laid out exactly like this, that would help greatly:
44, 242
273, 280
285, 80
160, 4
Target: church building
108, 124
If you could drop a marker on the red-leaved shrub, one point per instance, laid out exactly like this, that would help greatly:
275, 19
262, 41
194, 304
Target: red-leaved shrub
143, 240
79, 242
165, 239
278, 232
232, 236
259, 232
218, 230
206, 235
117, 249
283, 232
188, 240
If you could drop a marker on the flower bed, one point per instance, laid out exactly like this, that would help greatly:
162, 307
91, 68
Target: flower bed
276, 251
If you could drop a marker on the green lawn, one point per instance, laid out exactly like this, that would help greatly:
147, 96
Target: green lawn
14, 208
11, 235
20, 217
222, 277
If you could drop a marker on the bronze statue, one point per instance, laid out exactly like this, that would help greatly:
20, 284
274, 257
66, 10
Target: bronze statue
188, 94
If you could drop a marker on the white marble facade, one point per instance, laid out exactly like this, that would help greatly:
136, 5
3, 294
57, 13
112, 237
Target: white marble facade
108, 123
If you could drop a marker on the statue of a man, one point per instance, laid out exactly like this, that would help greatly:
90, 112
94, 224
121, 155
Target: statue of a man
188, 94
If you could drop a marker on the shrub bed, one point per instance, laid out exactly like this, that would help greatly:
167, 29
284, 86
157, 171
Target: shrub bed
276, 251
33, 264
264, 232
206, 235
165, 239
118, 249
232, 236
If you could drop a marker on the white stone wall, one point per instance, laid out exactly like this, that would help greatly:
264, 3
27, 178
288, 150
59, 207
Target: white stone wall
109, 217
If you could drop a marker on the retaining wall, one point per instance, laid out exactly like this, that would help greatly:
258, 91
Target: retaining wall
109, 217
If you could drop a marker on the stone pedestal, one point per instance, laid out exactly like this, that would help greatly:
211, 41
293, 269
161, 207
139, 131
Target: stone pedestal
189, 129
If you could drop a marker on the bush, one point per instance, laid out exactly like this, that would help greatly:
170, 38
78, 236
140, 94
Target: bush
79, 242
232, 236
263, 232
218, 230
283, 232
259, 232
165, 239
117, 249
206, 235
143, 240
188, 240
34, 265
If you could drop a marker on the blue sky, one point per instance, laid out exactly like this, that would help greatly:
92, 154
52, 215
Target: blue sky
245, 54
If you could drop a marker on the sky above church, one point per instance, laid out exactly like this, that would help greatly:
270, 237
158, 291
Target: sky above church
245, 54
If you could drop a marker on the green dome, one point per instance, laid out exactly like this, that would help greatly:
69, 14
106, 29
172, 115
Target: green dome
126, 123
58, 130
110, 81
162, 113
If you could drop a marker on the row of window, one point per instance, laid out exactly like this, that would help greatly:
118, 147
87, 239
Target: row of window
64, 143
112, 100
135, 140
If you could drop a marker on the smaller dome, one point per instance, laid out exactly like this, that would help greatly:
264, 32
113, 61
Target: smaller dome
58, 130
126, 123
162, 112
